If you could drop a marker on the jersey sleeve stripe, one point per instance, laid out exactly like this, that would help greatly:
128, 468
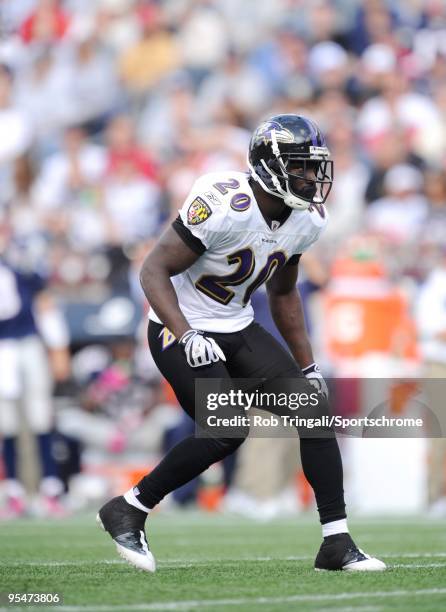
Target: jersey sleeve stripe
187, 237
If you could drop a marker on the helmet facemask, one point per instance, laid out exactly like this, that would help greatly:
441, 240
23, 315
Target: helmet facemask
307, 179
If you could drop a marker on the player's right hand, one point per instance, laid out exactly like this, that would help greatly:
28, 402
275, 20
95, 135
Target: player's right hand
199, 349
314, 375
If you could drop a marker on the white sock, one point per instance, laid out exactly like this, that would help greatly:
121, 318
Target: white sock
131, 499
50, 486
14, 488
334, 527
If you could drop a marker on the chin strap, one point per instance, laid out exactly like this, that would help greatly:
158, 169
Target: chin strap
290, 200
296, 203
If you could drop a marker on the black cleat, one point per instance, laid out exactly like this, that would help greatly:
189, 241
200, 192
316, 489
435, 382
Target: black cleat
339, 552
125, 524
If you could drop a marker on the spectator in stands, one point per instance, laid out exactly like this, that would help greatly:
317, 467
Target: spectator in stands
123, 146
434, 227
24, 219
15, 129
94, 90
282, 57
117, 23
347, 200
203, 38
399, 105
66, 190
43, 93
78, 165
389, 149
143, 65
233, 85
165, 122
324, 21
329, 66
399, 215
132, 204
46, 24
375, 22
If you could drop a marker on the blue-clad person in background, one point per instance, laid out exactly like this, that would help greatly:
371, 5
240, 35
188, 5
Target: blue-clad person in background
33, 354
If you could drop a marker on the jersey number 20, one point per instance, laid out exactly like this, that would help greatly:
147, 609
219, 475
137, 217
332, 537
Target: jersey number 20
216, 287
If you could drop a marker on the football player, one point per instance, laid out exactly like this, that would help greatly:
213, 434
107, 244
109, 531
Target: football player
235, 232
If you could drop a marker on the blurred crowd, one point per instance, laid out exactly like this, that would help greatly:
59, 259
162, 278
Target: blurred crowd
110, 109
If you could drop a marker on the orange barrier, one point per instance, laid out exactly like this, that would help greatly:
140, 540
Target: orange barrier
303, 490
209, 498
365, 313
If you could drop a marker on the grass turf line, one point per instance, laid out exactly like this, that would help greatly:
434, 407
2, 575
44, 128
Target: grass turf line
230, 561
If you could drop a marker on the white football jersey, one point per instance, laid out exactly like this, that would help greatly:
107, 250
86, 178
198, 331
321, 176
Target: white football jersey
242, 250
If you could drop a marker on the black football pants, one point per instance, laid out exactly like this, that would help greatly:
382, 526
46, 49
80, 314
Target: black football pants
250, 353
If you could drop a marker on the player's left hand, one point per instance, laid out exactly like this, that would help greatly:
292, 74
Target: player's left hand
315, 378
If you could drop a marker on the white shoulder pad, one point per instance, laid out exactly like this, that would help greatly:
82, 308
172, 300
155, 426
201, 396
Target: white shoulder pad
205, 210
312, 225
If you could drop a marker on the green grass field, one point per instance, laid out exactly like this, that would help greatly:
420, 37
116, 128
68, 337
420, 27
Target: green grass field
222, 563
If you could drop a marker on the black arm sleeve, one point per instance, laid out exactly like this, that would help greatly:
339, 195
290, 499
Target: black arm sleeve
294, 259
187, 237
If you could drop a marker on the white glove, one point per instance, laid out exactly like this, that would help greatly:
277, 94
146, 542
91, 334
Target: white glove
200, 350
315, 378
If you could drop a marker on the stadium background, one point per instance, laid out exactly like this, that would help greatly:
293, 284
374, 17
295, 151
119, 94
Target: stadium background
109, 110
